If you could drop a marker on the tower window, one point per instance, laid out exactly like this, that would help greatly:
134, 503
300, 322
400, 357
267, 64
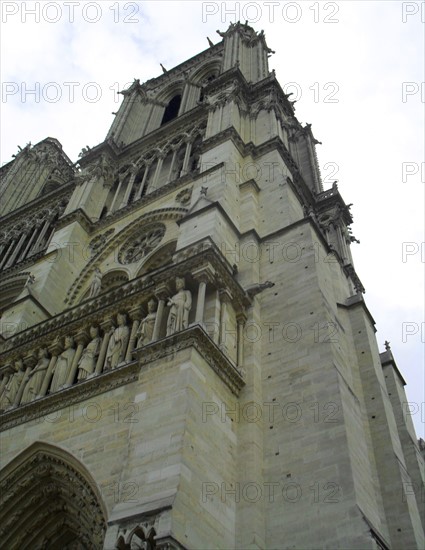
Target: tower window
172, 109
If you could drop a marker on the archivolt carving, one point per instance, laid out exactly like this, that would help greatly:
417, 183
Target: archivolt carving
49, 500
159, 215
99, 241
205, 69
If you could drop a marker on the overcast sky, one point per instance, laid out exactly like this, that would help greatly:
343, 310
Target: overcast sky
355, 67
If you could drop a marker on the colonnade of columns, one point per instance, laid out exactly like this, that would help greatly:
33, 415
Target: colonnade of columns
99, 348
26, 242
152, 173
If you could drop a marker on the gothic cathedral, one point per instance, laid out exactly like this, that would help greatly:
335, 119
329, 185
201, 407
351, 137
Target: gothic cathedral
186, 357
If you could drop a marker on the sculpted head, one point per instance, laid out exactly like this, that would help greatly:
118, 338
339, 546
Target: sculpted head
94, 331
19, 365
42, 353
69, 342
151, 306
180, 283
121, 319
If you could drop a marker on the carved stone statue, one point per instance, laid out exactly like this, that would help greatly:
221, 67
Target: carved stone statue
180, 303
63, 365
118, 343
145, 332
87, 363
96, 283
13, 385
36, 377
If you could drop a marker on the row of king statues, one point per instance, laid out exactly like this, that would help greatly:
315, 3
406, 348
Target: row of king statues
42, 379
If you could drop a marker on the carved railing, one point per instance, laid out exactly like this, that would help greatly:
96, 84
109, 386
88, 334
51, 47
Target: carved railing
103, 342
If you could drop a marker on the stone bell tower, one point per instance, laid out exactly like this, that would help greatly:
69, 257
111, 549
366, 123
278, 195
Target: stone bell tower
188, 360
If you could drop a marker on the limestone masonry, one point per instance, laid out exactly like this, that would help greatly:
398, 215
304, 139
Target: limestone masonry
186, 357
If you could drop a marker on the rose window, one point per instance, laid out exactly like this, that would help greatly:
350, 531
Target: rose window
139, 246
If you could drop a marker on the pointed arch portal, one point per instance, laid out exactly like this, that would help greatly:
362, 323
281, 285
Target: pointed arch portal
50, 501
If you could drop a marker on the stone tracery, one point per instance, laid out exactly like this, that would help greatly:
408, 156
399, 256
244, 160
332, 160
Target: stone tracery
49, 501
141, 245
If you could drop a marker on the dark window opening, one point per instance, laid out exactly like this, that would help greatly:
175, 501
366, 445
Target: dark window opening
172, 109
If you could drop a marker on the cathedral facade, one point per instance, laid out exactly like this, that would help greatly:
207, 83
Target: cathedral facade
186, 356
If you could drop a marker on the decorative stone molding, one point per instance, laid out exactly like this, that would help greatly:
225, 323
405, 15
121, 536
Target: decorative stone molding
130, 230
37, 487
99, 241
93, 311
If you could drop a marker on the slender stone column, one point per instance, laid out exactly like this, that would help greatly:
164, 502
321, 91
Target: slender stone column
203, 275
143, 183
7, 254
116, 196
106, 327
157, 170
30, 242
55, 350
217, 316
135, 315
16, 250
173, 160
82, 339
159, 314
241, 320
225, 298
200, 304
128, 190
40, 237
162, 292
186, 158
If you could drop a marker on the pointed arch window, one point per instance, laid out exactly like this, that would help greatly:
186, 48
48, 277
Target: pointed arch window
172, 109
